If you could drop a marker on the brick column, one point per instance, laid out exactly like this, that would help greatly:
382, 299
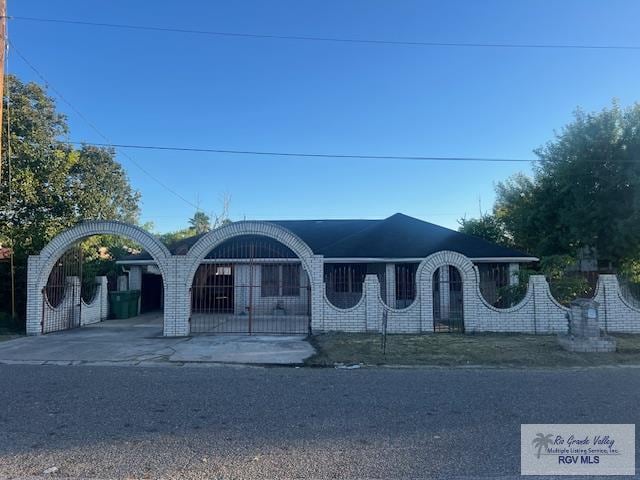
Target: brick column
390, 278
177, 298
608, 313
34, 296
373, 308
317, 292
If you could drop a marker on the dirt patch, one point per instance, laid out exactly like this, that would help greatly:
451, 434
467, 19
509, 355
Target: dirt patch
8, 337
464, 349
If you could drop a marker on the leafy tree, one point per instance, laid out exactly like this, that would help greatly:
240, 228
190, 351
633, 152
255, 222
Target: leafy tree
200, 222
171, 238
585, 191
53, 185
487, 226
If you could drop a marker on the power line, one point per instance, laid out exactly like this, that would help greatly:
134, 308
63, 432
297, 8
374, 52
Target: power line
94, 128
151, 28
303, 154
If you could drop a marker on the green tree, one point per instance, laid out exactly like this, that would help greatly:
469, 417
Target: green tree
585, 191
200, 222
488, 226
53, 185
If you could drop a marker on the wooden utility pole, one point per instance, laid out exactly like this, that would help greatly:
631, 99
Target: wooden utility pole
3, 49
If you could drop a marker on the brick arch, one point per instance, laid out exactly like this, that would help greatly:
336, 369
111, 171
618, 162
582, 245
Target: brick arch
429, 265
50, 254
424, 277
211, 240
40, 266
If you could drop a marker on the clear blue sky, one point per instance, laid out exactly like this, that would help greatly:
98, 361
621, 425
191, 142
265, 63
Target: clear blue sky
287, 95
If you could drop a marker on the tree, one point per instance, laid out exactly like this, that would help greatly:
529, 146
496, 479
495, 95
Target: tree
53, 185
488, 226
200, 222
585, 192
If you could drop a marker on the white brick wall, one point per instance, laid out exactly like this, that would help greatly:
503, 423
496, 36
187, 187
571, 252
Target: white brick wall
39, 266
538, 312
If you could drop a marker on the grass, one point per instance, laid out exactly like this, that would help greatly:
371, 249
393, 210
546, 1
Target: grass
517, 350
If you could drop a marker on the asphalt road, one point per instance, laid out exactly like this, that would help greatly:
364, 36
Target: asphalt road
228, 422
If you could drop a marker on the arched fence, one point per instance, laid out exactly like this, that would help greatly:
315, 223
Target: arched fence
440, 294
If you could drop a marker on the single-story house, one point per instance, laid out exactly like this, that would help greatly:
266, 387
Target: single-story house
257, 276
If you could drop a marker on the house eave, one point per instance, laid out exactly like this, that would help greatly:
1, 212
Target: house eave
361, 260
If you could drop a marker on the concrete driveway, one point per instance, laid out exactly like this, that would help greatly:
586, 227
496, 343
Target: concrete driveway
139, 340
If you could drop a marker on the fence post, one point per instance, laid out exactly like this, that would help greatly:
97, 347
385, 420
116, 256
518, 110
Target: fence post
373, 308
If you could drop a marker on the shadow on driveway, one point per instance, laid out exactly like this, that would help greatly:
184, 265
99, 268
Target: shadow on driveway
139, 340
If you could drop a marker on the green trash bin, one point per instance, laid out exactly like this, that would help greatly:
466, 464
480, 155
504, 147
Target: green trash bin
119, 304
134, 296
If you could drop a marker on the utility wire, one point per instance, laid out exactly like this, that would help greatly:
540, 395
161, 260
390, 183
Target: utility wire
95, 129
151, 28
303, 154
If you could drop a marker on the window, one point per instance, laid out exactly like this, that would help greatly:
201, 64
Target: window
290, 280
406, 283
345, 278
270, 280
280, 280
223, 270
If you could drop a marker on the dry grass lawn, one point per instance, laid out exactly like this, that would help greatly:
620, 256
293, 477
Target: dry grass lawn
516, 350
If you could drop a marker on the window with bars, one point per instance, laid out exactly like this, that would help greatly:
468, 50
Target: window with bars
280, 280
406, 283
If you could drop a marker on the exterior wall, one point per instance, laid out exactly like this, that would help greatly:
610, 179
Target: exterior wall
618, 314
39, 266
537, 313
93, 312
135, 281
294, 305
98, 308
188, 265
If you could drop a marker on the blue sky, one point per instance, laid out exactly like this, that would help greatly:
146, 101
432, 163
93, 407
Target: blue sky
286, 95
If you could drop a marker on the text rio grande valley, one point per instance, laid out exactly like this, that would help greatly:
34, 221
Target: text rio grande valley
584, 451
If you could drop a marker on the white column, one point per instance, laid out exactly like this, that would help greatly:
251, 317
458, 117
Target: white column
390, 277
372, 303
316, 274
34, 297
135, 278
104, 297
135, 281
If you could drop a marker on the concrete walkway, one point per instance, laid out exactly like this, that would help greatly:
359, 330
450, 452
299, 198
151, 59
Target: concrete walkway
139, 340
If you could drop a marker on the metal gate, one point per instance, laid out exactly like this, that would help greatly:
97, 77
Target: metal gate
448, 305
63, 294
251, 285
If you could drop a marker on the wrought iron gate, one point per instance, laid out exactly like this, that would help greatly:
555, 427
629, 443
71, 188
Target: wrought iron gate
448, 305
251, 285
64, 292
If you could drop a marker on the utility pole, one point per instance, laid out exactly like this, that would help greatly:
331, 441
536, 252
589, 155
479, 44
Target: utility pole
3, 49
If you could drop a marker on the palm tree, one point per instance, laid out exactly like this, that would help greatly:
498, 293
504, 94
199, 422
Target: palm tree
542, 441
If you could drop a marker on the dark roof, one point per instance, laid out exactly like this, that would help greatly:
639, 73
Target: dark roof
398, 236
